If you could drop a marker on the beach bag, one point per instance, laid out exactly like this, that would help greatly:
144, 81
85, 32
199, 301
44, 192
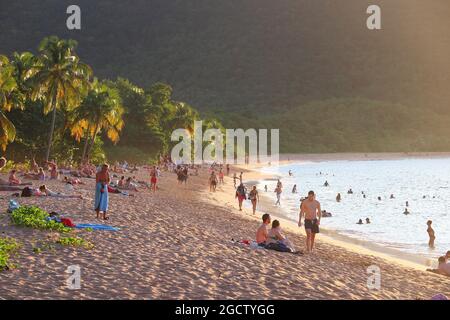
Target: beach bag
27, 192
13, 205
67, 222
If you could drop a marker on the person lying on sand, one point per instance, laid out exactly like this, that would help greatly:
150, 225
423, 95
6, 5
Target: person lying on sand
130, 185
262, 233
73, 181
49, 193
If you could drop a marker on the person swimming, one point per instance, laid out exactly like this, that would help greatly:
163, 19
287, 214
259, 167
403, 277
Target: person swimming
392, 196
326, 184
406, 211
338, 197
350, 191
367, 220
360, 221
294, 189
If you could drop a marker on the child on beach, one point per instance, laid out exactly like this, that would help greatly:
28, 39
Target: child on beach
431, 235
153, 178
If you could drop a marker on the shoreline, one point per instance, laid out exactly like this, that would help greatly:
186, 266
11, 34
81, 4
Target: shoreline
176, 244
335, 237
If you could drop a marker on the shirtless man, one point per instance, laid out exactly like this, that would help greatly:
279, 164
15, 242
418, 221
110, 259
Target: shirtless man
261, 233
310, 209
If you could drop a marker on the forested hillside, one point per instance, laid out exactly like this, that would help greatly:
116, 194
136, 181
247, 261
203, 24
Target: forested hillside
311, 68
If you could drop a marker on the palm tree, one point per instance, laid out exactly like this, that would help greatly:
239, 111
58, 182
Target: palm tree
61, 80
101, 110
10, 97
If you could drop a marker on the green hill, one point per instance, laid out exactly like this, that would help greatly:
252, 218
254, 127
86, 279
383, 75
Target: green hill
299, 65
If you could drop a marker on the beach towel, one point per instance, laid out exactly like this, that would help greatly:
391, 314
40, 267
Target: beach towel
96, 227
101, 198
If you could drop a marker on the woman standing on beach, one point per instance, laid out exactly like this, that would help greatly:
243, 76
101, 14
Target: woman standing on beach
240, 195
102, 180
254, 198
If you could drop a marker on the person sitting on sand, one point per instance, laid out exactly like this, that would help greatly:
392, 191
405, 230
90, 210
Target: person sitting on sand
431, 234
241, 195
261, 233
274, 235
130, 185
54, 174
49, 193
294, 189
360, 221
367, 220
444, 266
254, 198
338, 197
13, 180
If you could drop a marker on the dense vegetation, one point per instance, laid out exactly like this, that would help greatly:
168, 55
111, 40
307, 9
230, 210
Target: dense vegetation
8, 247
54, 97
310, 68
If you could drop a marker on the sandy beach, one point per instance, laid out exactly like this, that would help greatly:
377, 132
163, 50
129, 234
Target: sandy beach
176, 244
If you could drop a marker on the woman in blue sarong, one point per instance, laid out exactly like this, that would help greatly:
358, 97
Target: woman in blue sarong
102, 180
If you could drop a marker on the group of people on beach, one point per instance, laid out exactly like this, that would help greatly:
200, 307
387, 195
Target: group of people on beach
310, 215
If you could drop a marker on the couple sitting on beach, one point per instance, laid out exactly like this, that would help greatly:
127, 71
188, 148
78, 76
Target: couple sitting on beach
273, 239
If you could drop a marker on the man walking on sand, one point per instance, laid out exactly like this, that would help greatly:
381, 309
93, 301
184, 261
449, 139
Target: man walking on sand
310, 208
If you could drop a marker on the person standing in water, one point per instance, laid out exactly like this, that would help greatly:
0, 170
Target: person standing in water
278, 191
254, 198
102, 180
430, 234
310, 209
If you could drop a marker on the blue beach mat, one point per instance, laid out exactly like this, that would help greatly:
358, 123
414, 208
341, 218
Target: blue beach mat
96, 227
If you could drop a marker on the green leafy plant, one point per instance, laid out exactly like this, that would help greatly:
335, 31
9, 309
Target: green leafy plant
75, 242
34, 217
8, 246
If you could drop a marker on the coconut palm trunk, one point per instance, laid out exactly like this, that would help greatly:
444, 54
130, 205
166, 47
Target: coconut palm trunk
91, 145
52, 129
86, 142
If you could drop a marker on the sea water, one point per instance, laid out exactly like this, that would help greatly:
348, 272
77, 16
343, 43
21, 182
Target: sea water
424, 183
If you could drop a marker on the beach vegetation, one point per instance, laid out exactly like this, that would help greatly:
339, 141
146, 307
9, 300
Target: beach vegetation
36, 218
8, 247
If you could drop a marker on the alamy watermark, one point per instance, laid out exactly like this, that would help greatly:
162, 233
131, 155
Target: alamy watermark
73, 22
213, 145
374, 279
73, 282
